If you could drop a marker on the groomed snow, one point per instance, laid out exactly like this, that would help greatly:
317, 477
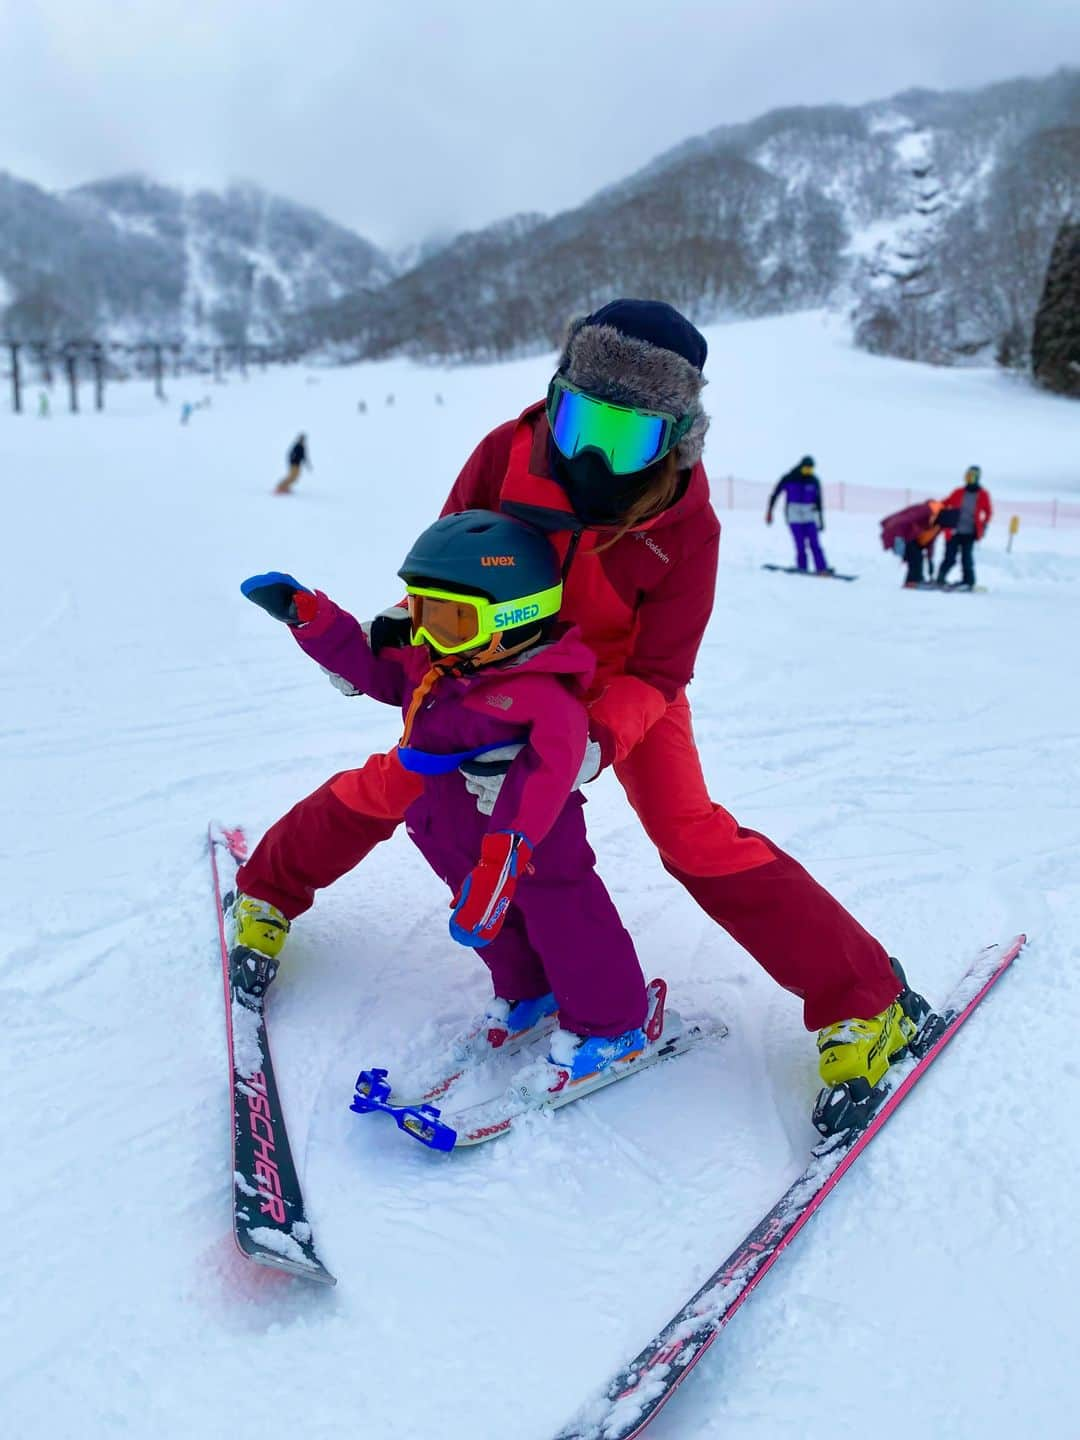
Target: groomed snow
920, 752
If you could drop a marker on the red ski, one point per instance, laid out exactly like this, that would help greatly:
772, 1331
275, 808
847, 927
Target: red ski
269, 1223
635, 1395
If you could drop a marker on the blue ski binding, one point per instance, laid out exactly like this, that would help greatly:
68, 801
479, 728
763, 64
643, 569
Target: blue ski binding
421, 1122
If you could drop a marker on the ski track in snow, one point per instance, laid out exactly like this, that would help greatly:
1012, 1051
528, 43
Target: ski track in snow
920, 753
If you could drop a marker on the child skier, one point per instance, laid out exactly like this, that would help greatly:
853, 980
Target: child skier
803, 511
488, 683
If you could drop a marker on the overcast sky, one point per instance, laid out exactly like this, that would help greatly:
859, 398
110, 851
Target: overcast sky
402, 118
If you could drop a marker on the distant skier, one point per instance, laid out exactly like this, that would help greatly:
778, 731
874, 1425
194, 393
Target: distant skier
43, 405
494, 745
803, 511
298, 458
975, 513
911, 533
186, 412
361, 407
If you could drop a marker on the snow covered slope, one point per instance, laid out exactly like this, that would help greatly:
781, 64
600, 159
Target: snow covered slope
920, 752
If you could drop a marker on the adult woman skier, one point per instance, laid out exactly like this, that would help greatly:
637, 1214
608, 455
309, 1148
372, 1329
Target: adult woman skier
610, 465
489, 681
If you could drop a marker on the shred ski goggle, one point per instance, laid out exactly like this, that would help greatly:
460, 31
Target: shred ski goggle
452, 623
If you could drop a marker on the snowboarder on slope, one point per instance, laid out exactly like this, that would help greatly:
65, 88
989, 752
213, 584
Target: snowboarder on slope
610, 464
298, 458
803, 511
495, 737
976, 511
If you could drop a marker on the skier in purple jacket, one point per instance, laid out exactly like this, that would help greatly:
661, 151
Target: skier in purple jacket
803, 511
490, 689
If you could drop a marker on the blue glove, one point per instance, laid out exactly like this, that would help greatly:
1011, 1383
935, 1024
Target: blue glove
276, 593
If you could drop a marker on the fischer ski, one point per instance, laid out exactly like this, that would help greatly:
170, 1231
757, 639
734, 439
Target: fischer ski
269, 1223
635, 1395
535, 1086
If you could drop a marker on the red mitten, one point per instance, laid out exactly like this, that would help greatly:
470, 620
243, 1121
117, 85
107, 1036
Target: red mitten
479, 907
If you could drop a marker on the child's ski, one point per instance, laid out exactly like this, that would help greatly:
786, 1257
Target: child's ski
637, 1392
268, 1205
530, 1090
443, 1077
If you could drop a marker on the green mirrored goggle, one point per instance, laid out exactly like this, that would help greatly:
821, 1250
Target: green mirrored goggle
628, 439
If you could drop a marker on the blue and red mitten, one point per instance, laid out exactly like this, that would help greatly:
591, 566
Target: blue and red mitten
281, 596
480, 905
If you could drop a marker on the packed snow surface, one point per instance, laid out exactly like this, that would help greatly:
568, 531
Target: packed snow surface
919, 752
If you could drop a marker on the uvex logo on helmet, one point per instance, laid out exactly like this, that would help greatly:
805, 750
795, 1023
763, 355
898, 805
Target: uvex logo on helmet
496, 560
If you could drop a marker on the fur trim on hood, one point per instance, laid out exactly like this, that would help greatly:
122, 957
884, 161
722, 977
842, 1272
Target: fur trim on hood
628, 371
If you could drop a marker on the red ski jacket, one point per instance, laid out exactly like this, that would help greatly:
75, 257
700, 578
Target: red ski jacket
642, 605
983, 509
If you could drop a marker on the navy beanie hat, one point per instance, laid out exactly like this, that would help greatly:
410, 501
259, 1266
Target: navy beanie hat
644, 354
657, 323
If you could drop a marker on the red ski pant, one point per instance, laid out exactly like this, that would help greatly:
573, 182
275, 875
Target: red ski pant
763, 898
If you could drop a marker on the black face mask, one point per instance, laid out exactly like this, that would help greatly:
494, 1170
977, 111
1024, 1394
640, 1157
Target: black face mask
597, 497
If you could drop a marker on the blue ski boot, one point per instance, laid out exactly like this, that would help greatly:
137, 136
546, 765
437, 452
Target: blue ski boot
506, 1025
580, 1057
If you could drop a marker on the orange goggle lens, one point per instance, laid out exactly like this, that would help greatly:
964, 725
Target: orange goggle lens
449, 623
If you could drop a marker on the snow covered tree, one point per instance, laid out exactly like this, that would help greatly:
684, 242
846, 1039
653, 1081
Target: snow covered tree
1055, 346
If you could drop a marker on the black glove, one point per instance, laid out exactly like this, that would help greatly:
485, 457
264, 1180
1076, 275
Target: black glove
276, 593
390, 630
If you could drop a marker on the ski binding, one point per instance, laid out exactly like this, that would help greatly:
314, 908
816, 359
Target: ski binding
421, 1122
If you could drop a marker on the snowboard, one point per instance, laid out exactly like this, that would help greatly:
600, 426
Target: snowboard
813, 574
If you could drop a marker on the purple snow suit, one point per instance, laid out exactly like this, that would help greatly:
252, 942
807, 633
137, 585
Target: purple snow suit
802, 510
563, 932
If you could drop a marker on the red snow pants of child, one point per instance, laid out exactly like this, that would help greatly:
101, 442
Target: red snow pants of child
562, 932
766, 901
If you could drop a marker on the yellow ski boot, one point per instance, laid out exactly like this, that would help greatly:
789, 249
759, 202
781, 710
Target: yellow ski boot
854, 1056
864, 1049
259, 930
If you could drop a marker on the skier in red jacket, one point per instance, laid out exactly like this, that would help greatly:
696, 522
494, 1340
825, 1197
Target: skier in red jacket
976, 511
610, 466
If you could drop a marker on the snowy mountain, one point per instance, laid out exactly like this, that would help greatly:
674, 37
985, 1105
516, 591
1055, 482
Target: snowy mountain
930, 215
128, 259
